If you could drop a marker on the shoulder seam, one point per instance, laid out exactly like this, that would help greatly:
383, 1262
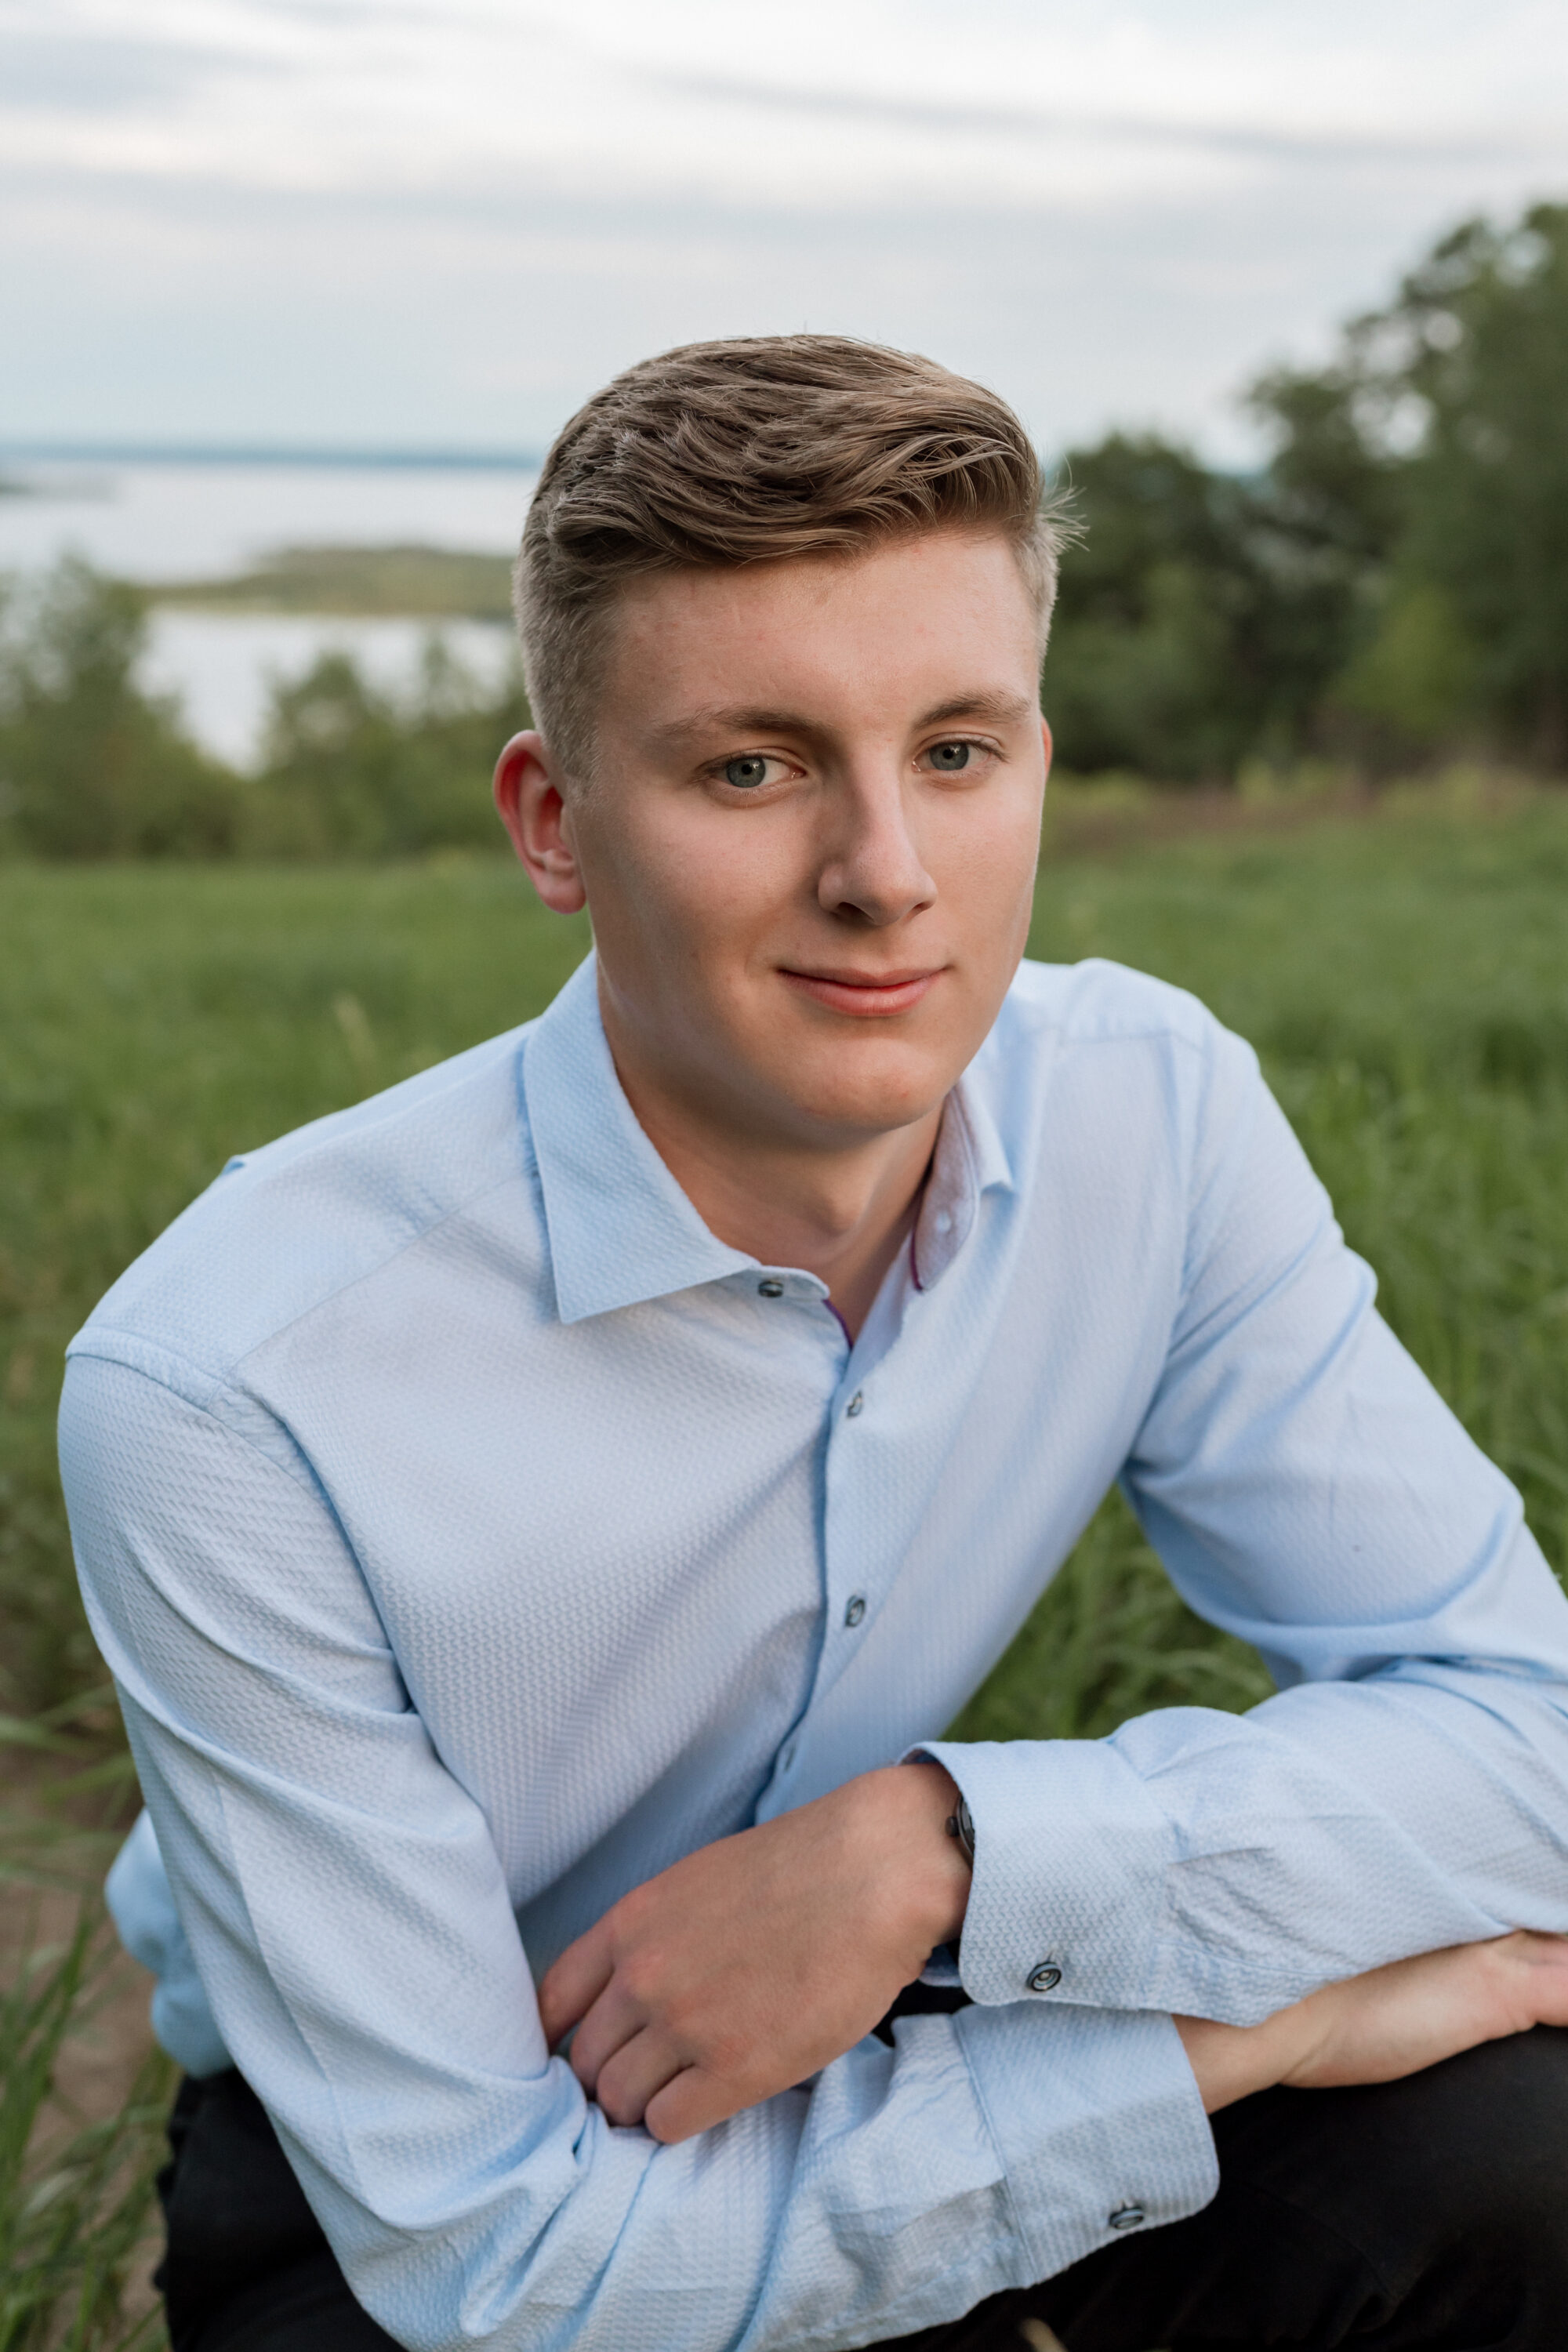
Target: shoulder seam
91, 1330
204, 1404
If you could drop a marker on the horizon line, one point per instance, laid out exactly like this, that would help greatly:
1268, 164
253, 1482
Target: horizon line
265, 453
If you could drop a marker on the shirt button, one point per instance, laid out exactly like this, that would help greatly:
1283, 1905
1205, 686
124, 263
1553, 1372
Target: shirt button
857, 1404
857, 1609
1045, 1979
770, 1288
1127, 2217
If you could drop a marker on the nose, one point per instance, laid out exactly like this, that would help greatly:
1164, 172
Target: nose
873, 870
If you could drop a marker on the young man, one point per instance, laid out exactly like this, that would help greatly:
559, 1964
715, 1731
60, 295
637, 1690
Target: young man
529, 1518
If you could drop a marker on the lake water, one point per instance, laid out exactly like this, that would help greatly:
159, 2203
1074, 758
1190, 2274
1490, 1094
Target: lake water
178, 521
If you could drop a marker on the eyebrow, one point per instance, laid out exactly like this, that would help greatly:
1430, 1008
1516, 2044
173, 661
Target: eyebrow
1000, 706
747, 718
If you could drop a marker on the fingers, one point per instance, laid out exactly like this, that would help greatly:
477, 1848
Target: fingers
574, 1983
693, 2101
615, 2020
634, 2073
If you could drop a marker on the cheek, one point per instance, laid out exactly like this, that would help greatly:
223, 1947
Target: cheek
722, 881
986, 875
686, 902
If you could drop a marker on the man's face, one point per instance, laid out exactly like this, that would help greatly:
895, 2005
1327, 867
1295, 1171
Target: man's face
809, 849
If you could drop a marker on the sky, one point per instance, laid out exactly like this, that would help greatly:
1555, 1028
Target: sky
442, 223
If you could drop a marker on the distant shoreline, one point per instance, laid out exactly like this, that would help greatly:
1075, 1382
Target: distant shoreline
137, 453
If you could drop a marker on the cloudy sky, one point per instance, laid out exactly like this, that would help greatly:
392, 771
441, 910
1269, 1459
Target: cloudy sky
442, 222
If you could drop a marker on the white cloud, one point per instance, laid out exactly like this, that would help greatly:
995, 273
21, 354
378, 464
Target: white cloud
375, 218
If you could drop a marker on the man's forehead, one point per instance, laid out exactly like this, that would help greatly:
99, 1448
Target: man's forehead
919, 631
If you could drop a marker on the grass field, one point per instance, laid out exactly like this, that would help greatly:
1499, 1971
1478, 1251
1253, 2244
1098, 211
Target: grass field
1404, 974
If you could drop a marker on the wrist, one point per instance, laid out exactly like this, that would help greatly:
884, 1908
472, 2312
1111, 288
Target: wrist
928, 1873
1233, 2061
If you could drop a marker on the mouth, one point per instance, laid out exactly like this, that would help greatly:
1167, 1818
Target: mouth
863, 995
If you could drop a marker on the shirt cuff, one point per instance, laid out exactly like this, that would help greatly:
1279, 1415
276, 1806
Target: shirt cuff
1098, 2120
1070, 1861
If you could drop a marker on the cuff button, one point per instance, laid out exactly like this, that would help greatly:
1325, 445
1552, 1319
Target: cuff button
1045, 1979
1127, 2217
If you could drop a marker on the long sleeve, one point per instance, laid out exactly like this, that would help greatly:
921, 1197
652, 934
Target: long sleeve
1308, 1491
353, 1932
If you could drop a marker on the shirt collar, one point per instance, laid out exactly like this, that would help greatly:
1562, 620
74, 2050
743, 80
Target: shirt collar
969, 1159
622, 1231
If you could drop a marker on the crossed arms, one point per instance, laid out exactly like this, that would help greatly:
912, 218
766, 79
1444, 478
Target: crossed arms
755, 1962
356, 1936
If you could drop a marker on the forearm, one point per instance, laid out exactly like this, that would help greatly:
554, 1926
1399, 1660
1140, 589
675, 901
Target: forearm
1226, 1866
1391, 2021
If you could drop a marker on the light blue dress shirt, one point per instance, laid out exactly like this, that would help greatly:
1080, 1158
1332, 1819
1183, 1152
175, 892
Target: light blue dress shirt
472, 1533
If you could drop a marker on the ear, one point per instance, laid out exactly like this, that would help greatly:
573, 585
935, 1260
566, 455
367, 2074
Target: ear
1046, 739
529, 800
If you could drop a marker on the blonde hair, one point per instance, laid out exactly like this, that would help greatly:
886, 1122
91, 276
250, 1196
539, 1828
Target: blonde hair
748, 452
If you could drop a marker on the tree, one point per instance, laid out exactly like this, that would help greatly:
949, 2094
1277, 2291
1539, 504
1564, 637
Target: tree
1484, 325
350, 771
91, 766
1433, 452
1200, 613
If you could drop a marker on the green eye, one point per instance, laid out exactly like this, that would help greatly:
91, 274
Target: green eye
949, 758
748, 772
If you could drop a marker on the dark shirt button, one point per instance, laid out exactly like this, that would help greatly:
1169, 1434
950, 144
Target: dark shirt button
1045, 1979
769, 1289
1127, 2217
857, 1609
855, 1404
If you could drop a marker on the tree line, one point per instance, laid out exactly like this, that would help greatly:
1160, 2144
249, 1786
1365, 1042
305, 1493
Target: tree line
1388, 589
1391, 587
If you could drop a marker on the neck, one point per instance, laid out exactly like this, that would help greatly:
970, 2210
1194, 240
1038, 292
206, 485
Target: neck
841, 1214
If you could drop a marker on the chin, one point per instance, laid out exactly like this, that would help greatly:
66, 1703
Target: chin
867, 1102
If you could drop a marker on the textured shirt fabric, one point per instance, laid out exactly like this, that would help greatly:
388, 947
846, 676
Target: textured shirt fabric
472, 1533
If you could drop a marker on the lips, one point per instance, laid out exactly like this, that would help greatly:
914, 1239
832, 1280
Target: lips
865, 996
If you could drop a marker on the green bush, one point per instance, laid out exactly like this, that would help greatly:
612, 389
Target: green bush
93, 766
89, 766
350, 771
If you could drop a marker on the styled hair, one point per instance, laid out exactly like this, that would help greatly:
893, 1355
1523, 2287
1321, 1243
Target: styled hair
748, 452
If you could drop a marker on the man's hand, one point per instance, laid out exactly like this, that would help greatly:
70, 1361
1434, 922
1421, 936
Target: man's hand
1390, 2022
757, 1961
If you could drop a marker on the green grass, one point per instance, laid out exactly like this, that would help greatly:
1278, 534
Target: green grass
76, 2193
1404, 973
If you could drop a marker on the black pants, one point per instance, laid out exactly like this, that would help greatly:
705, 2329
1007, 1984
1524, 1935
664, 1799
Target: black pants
1431, 2213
